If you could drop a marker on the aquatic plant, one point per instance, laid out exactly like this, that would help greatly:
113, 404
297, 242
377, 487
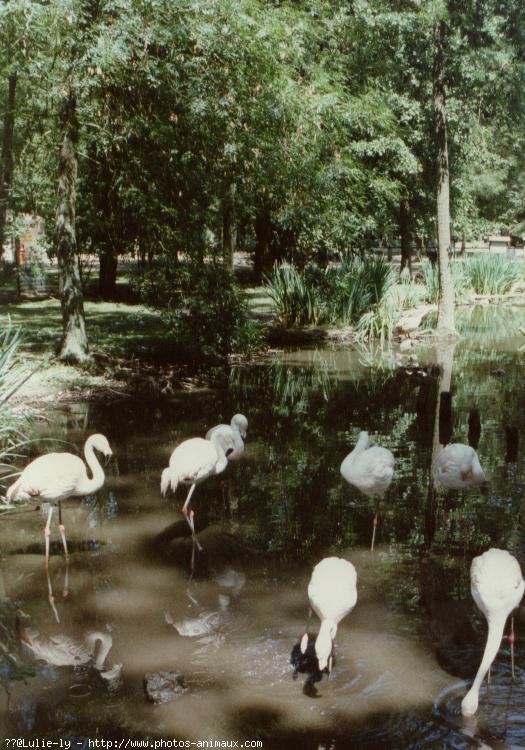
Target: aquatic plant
491, 274
430, 278
296, 299
339, 294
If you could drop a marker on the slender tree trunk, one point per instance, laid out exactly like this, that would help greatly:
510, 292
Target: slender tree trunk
229, 229
107, 278
404, 231
6, 175
74, 346
263, 232
445, 324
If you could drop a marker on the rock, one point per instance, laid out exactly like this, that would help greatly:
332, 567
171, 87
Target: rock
163, 687
411, 320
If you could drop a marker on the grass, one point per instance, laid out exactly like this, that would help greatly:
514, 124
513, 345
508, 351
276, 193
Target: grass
492, 274
339, 294
114, 328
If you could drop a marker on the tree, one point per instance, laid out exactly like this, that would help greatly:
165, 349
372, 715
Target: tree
445, 324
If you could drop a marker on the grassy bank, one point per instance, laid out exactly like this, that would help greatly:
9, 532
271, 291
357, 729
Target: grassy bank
118, 334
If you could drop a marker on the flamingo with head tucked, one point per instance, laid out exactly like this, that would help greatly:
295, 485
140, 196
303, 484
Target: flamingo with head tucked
235, 432
57, 476
370, 469
497, 586
458, 467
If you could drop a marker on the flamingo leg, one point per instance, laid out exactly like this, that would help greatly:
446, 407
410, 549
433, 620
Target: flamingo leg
512, 638
374, 527
62, 530
47, 532
189, 514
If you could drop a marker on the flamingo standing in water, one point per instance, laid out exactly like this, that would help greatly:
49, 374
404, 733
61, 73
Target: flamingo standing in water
370, 469
57, 476
235, 432
332, 593
458, 467
497, 586
192, 462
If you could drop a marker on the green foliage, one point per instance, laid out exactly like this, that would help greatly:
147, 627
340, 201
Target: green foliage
339, 294
430, 277
492, 274
204, 307
296, 296
13, 429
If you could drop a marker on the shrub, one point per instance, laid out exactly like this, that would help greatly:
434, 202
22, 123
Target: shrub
204, 307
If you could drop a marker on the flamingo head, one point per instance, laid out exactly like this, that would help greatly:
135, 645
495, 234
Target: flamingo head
100, 443
240, 423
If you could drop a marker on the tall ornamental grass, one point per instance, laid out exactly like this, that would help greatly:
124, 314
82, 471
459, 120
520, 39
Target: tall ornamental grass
492, 274
339, 294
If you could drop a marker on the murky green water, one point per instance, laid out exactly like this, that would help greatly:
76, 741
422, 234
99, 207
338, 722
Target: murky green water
414, 636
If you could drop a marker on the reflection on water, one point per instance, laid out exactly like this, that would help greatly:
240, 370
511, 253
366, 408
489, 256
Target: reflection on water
231, 627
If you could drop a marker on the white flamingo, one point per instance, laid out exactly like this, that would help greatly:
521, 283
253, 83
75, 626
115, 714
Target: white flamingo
192, 462
497, 586
235, 431
57, 476
370, 469
332, 592
458, 467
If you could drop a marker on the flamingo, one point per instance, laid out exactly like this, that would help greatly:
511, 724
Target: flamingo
192, 462
57, 476
497, 586
332, 593
235, 431
370, 469
458, 467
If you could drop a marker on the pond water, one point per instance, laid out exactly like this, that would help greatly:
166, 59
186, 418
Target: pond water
404, 656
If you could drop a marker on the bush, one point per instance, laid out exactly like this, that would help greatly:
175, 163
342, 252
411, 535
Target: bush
204, 307
491, 274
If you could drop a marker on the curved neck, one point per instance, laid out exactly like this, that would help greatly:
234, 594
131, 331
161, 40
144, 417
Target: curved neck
496, 625
97, 480
361, 445
106, 641
222, 460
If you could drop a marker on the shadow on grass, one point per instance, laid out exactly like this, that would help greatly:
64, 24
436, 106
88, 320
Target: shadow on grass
113, 329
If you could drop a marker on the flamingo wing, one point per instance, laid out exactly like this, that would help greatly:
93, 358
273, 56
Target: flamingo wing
54, 476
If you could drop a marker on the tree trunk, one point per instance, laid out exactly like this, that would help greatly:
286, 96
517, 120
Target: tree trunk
445, 323
404, 231
229, 229
74, 346
107, 278
6, 175
263, 232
